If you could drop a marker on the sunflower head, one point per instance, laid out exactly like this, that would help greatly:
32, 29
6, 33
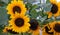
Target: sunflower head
19, 24
16, 9
54, 9
4, 30
34, 24
47, 30
34, 28
16, 6
10, 31
56, 26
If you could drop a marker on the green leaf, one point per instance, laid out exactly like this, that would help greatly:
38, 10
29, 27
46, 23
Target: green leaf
2, 4
47, 1
48, 7
33, 14
32, 11
28, 5
40, 13
33, 7
3, 16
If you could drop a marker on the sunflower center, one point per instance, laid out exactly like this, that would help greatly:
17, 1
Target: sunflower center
54, 9
13, 32
57, 27
16, 9
47, 30
34, 24
19, 22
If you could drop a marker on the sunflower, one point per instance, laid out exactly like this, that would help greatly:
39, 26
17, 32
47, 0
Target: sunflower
7, 29
55, 27
34, 28
19, 23
46, 30
16, 6
55, 10
4, 30
53, 1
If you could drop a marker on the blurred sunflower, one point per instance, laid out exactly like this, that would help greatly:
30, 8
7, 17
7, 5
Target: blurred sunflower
34, 28
55, 27
6, 29
19, 23
55, 10
53, 1
16, 6
46, 30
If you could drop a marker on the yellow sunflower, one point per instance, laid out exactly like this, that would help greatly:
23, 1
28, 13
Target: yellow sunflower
46, 30
16, 6
19, 23
55, 10
7, 29
15, 0
53, 1
34, 28
55, 27
4, 30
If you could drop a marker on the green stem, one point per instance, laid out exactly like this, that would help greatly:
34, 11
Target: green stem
21, 33
9, 34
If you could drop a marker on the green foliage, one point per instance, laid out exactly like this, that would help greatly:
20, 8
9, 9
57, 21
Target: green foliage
47, 1
3, 15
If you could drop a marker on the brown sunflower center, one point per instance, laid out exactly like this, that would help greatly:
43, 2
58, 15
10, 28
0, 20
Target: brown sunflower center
19, 22
16, 9
54, 9
34, 24
47, 30
57, 27
12, 32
